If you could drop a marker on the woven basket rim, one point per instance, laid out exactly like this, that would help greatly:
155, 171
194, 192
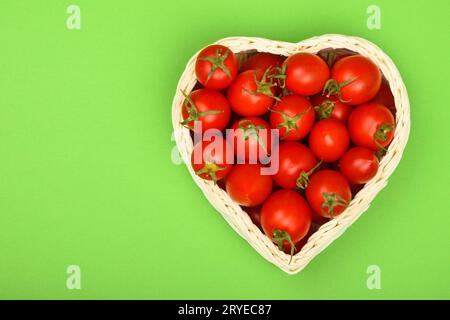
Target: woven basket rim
237, 218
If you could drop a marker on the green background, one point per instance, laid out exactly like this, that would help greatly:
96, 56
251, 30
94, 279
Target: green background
86, 176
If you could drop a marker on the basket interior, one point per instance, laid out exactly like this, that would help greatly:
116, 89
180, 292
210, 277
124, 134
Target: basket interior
253, 212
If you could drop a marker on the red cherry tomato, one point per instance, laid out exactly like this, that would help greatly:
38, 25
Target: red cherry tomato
209, 158
371, 125
385, 97
331, 107
294, 116
216, 67
355, 79
329, 140
359, 165
296, 164
306, 73
252, 93
328, 193
253, 141
208, 107
286, 218
247, 186
262, 61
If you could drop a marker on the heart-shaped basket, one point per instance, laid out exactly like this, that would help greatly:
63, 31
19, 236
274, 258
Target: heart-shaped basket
238, 219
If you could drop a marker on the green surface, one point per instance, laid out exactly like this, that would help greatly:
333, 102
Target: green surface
86, 176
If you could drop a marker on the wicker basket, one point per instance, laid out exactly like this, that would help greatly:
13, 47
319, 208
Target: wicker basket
233, 213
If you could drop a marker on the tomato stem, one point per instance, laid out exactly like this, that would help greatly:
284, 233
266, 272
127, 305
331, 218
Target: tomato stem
210, 169
303, 179
381, 134
279, 75
192, 111
279, 236
325, 109
252, 131
331, 200
263, 86
217, 62
332, 87
289, 123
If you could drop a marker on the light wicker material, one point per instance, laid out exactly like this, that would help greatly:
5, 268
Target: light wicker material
233, 213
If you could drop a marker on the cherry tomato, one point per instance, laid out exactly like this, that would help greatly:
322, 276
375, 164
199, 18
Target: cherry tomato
286, 218
209, 158
294, 116
329, 140
356, 79
247, 186
262, 61
250, 143
208, 107
371, 125
328, 193
306, 73
385, 97
359, 165
216, 67
296, 164
331, 107
252, 93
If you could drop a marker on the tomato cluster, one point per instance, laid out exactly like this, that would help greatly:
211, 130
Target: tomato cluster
324, 119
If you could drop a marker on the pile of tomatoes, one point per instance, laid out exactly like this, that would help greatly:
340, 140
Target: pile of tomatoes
334, 115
